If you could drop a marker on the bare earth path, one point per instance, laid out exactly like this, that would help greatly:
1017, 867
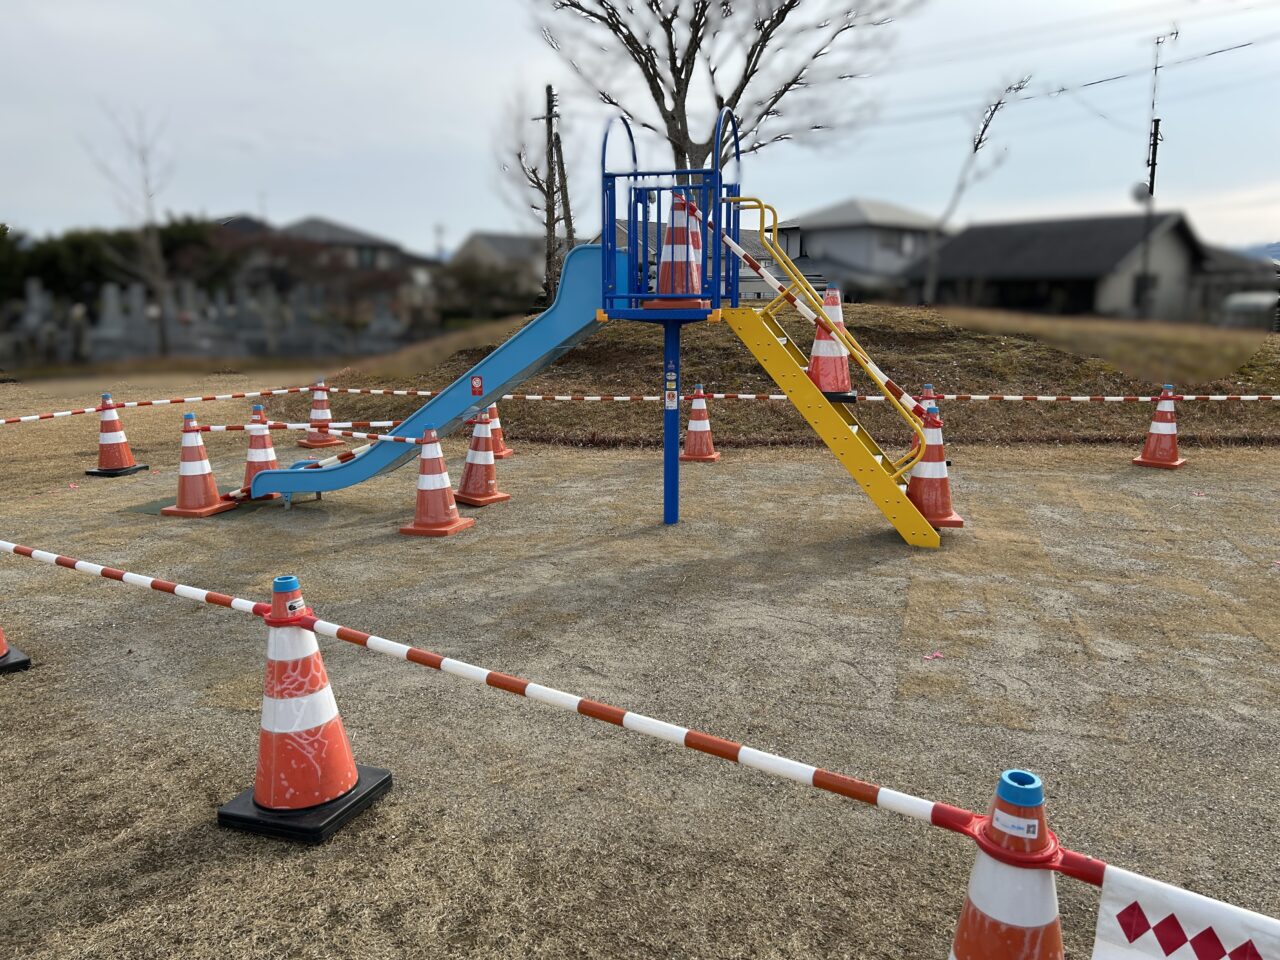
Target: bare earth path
1111, 628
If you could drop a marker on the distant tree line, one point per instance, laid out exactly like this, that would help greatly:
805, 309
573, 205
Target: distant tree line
74, 265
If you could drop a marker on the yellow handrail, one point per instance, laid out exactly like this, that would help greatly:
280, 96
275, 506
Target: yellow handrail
799, 283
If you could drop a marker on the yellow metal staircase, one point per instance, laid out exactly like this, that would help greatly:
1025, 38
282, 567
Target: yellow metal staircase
834, 422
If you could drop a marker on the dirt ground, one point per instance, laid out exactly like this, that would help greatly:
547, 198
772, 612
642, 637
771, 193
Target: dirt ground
1111, 628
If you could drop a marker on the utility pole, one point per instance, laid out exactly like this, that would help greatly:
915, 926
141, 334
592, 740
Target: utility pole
552, 274
1143, 300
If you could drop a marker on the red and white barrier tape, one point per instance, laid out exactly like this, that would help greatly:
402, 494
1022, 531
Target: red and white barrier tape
128, 404
1129, 902
936, 814
282, 425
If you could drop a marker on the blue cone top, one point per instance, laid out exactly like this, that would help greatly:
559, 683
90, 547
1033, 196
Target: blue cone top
928, 387
1021, 788
106, 396
289, 583
257, 406
932, 408
1169, 387
188, 416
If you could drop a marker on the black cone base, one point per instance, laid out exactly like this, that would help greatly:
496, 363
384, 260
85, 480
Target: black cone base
306, 826
116, 472
14, 660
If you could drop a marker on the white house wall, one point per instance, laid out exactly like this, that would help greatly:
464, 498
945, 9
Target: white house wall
1171, 263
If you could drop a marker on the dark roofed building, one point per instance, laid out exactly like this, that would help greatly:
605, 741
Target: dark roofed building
358, 250
1089, 265
525, 254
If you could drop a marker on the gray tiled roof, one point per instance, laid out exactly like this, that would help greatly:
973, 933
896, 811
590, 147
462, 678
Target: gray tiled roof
320, 230
859, 212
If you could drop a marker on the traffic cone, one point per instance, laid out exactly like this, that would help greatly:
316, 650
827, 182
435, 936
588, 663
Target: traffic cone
929, 487
115, 459
500, 449
829, 361
320, 416
680, 262
437, 514
197, 491
698, 447
11, 658
928, 399
1011, 912
479, 486
308, 784
1161, 448
261, 454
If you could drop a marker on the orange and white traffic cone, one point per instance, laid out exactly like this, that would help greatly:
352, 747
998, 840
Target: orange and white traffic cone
500, 449
197, 491
927, 399
829, 361
11, 658
930, 487
115, 459
698, 446
320, 417
261, 454
1161, 448
1011, 912
479, 486
680, 262
437, 513
308, 784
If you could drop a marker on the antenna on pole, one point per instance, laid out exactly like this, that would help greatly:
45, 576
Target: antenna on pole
1146, 282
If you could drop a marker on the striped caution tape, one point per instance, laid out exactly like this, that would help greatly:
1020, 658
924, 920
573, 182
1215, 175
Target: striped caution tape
936, 814
1125, 927
282, 425
129, 404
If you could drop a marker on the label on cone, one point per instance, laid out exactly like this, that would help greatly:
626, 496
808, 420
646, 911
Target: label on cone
1015, 826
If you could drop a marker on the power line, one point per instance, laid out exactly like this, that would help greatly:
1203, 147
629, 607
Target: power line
976, 48
951, 110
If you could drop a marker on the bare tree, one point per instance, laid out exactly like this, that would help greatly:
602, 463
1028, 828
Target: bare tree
537, 182
970, 174
137, 177
786, 68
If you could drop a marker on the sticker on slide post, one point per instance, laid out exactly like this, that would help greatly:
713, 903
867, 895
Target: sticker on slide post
672, 400
477, 386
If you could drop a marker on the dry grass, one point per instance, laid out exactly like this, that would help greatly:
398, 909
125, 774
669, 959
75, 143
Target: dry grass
1145, 349
914, 345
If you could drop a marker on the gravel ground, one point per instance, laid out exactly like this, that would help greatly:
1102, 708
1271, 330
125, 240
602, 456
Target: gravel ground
1111, 628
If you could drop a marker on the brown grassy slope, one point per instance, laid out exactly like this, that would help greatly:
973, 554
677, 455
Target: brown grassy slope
913, 345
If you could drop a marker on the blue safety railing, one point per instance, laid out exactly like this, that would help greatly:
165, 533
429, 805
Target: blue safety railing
636, 211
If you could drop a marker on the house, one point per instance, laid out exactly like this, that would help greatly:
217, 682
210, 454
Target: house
525, 255
859, 245
1090, 265
345, 246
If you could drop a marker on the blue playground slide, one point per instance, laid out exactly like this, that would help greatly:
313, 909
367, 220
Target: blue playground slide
570, 320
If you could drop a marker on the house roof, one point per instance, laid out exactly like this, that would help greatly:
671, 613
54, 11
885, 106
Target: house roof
861, 212
1222, 260
511, 246
1080, 248
320, 230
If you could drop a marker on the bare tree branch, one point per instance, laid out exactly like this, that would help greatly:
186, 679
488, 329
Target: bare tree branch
137, 177
970, 174
786, 68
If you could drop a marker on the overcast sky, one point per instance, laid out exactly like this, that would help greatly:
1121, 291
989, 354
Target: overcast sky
384, 115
